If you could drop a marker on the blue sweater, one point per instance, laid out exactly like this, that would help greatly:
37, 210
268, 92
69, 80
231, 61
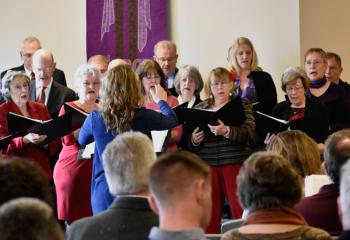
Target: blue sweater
94, 129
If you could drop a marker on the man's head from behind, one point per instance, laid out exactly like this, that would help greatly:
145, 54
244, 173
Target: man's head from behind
127, 161
28, 218
43, 66
30, 46
336, 153
180, 185
165, 54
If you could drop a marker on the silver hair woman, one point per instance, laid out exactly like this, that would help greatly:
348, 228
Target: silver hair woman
72, 177
188, 84
15, 89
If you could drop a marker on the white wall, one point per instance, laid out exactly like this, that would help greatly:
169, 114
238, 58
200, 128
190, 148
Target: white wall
204, 29
60, 26
326, 25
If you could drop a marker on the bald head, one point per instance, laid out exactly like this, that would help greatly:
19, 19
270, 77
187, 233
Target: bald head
43, 66
117, 62
100, 62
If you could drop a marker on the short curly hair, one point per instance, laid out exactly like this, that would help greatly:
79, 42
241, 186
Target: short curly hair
7, 79
267, 180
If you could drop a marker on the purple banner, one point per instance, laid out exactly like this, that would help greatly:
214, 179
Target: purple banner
125, 28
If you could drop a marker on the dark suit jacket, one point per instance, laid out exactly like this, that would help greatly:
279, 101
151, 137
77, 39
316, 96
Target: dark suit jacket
58, 75
127, 218
58, 95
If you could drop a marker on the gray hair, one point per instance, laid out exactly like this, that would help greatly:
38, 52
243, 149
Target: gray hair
291, 74
127, 161
344, 195
7, 79
192, 72
83, 70
28, 218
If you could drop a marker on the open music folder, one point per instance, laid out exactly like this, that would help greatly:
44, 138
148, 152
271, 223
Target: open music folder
53, 128
232, 114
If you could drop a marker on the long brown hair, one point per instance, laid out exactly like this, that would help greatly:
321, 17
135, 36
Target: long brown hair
120, 98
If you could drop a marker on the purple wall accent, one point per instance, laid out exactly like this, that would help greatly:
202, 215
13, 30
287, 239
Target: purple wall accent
94, 11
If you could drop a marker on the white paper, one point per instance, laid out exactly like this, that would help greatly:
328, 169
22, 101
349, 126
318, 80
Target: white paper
158, 139
314, 182
88, 150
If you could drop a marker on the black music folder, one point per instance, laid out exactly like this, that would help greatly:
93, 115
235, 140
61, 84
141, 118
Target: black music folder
312, 126
232, 114
78, 116
53, 128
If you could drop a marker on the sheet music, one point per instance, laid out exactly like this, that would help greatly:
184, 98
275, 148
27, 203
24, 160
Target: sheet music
314, 182
158, 139
88, 150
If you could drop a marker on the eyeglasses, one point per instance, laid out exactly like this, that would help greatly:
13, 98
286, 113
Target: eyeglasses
26, 55
316, 63
45, 69
222, 84
166, 59
290, 89
86, 84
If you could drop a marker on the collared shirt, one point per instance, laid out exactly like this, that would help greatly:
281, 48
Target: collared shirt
38, 90
28, 72
170, 80
190, 103
160, 234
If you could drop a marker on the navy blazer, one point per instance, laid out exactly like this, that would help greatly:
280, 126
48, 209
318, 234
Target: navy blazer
127, 218
58, 95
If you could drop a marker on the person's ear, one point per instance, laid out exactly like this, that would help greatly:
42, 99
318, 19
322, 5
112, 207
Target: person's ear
200, 190
341, 70
54, 65
153, 204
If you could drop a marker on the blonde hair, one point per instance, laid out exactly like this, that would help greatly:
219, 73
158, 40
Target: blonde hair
300, 150
217, 74
232, 52
120, 97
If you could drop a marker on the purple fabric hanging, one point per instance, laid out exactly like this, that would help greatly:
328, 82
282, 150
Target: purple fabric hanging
125, 28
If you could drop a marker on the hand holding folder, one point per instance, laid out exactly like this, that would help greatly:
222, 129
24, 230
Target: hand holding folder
55, 128
232, 114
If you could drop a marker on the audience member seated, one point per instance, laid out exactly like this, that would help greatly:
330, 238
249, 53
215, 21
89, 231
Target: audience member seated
166, 55
101, 62
252, 83
121, 111
20, 178
320, 210
30, 46
72, 175
150, 75
181, 196
43, 89
28, 218
300, 150
296, 84
344, 201
188, 84
226, 148
127, 161
15, 89
269, 187
331, 94
334, 70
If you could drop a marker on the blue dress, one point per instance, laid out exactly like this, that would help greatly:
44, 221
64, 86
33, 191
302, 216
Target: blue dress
94, 129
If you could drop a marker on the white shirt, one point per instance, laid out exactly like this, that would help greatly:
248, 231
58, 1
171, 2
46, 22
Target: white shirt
38, 90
